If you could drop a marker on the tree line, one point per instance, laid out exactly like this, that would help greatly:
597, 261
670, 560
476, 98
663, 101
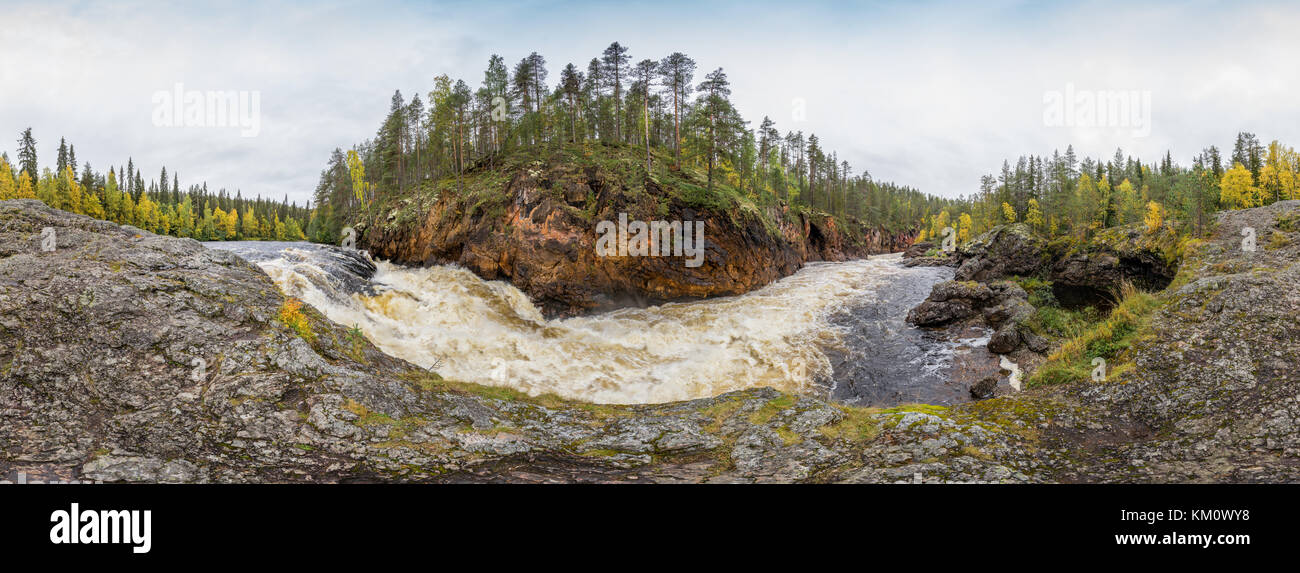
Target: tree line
159, 205
1064, 195
651, 103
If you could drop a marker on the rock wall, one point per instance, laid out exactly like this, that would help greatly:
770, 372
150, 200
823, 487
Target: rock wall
543, 240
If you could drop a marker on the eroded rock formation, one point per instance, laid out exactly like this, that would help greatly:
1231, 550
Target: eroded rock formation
537, 229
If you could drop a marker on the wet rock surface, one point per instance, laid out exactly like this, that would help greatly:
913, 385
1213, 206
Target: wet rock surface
99, 380
342, 270
1000, 305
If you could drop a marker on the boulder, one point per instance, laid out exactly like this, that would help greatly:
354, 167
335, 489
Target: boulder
950, 301
918, 249
1002, 252
1006, 339
984, 389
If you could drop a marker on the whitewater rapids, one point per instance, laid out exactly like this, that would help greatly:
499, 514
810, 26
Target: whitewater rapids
784, 335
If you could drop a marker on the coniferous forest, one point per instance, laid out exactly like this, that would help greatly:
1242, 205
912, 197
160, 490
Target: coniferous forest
159, 206
669, 105
1063, 195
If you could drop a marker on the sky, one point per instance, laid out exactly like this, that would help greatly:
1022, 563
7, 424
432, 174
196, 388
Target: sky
927, 94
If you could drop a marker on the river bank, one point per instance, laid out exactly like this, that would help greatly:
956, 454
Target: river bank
132, 357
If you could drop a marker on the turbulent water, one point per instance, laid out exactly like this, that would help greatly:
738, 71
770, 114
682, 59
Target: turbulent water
831, 329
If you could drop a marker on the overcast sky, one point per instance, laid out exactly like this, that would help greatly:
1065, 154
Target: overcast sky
931, 95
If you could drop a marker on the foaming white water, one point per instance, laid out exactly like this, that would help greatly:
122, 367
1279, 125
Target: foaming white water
489, 332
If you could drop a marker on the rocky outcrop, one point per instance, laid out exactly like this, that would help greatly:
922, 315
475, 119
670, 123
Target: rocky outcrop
1000, 253
918, 249
950, 301
1082, 272
928, 254
1001, 305
126, 356
534, 223
1215, 384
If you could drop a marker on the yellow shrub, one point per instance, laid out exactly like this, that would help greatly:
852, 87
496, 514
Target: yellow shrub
291, 315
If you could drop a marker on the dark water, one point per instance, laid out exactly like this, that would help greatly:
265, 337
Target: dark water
884, 361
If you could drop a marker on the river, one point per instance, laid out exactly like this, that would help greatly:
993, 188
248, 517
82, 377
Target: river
835, 330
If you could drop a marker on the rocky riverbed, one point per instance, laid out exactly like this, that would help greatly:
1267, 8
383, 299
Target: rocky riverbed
133, 357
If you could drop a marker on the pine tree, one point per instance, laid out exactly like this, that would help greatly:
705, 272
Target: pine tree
717, 111
614, 62
678, 72
496, 82
27, 155
571, 87
645, 73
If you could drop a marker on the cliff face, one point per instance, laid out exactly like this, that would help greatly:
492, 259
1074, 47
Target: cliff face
535, 224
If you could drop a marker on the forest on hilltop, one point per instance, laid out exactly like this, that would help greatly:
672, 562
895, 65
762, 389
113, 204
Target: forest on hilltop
652, 104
